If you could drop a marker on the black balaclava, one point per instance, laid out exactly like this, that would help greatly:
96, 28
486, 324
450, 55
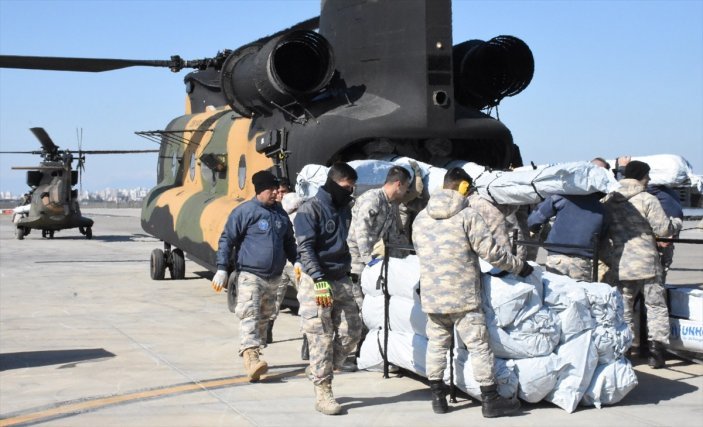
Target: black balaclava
340, 196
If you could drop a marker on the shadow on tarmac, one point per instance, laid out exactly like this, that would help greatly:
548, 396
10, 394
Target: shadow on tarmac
31, 359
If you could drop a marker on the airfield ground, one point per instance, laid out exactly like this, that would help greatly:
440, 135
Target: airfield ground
88, 339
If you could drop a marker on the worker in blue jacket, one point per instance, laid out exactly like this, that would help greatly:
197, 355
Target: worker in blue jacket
260, 235
577, 219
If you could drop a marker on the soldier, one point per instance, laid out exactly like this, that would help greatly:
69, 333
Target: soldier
375, 212
449, 237
260, 235
577, 219
672, 207
329, 313
635, 218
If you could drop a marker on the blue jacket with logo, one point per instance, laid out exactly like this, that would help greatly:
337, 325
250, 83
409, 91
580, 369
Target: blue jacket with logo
577, 218
321, 230
668, 199
262, 238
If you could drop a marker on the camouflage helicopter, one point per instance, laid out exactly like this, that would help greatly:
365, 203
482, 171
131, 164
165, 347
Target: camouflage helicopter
52, 203
335, 87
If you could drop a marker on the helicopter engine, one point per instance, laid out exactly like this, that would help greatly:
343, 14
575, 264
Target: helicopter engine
256, 79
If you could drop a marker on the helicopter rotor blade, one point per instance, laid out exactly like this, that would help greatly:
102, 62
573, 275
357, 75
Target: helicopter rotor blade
45, 140
20, 152
80, 153
94, 65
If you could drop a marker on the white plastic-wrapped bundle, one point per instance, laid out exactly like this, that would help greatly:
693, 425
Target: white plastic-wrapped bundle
529, 186
407, 351
611, 383
405, 315
537, 376
670, 170
505, 376
403, 277
574, 379
537, 336
310, 178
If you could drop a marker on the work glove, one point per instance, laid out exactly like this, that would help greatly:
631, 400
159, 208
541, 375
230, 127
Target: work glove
323, 293
527, 269
297, 272
218, 282
373, 262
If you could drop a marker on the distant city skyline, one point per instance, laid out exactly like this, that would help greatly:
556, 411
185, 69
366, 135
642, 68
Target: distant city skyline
106, 194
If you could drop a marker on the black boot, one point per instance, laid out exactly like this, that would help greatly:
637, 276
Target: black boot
439, 397
304, 350
269, 333
656, 355
494, 405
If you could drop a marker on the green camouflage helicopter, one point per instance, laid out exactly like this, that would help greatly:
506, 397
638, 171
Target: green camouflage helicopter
52, 202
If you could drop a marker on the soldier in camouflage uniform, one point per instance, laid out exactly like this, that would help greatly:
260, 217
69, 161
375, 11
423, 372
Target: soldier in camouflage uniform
329, 313
449, 237
635, 218
260, 235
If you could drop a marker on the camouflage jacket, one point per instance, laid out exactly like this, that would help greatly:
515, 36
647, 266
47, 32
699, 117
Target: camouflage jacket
372, 216
495, 217
635, 218
449, 237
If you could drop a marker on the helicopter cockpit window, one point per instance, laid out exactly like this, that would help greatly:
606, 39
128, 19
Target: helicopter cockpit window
192, 166
242, 175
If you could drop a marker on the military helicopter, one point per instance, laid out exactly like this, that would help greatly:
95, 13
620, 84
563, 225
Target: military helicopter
52, 203
361, 83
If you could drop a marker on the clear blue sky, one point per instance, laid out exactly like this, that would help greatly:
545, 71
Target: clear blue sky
611, 77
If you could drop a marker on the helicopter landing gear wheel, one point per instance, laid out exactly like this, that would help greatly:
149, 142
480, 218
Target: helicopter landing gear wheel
177, 264
89, 233
19, 233
158, 264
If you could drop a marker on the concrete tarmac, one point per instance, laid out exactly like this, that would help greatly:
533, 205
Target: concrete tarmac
88, 339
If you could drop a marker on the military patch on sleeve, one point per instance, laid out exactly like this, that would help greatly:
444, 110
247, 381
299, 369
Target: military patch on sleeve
330, 226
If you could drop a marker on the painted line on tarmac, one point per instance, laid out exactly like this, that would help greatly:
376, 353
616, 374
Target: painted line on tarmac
68, 409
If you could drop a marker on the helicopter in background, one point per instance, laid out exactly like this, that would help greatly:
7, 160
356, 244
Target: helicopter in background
52, 203
361, 86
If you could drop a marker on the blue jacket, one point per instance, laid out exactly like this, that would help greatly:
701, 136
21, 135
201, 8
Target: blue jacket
321, 230
577, 218
668, 199
262, 238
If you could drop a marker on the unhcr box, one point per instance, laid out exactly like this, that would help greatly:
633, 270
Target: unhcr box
686, 335
686, 302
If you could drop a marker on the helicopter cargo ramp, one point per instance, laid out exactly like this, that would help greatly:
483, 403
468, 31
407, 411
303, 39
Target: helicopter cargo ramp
87, 338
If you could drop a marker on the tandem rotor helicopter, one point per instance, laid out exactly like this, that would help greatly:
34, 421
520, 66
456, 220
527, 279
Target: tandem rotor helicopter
52, 203
360, 84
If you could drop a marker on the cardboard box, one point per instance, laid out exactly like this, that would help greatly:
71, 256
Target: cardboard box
686, 302
686, 335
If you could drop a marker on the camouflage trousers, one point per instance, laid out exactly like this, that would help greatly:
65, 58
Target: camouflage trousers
576, 267
655, 302
471, 327
332, 332
287, 279
256, 301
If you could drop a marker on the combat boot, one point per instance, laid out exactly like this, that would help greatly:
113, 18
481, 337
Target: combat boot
656, 355
494, 405
439, 397
255, 368
324, 399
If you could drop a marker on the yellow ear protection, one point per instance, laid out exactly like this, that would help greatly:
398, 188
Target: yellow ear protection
464, 187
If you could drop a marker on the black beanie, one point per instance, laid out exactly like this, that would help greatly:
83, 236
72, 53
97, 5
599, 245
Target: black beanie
636, 170
264, 180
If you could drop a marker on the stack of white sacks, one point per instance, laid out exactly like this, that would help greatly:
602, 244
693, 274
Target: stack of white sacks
554, 338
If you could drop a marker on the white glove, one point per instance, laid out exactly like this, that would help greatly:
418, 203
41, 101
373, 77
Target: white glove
218, 282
